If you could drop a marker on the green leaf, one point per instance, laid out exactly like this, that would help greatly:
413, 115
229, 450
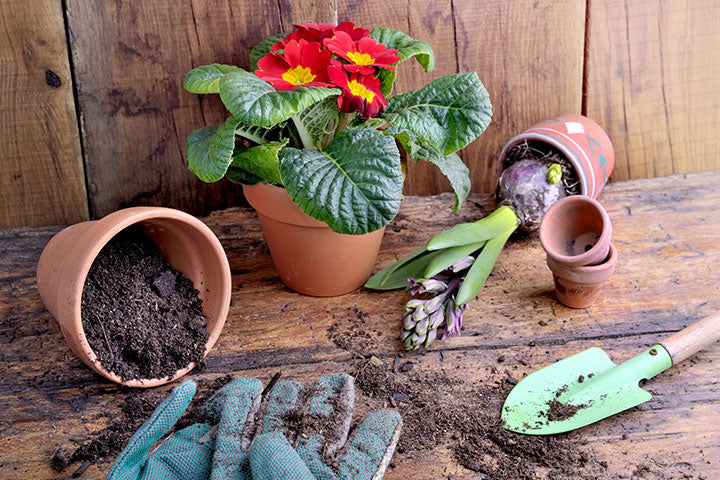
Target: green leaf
354, 185
255, 102
262, 49
261, 161
496, 223
448, 256
407, 268
480, 270
407, 48
210, 150
317, 121
206, 79
376, 281
243, 177
447, 113
259, 135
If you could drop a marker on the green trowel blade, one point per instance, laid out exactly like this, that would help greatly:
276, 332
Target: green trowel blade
580, 390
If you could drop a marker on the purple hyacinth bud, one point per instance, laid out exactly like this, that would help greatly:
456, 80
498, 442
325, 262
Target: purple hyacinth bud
437, 318
431, 336
408, 322
433, 285
462, 264
412, 304
434, 303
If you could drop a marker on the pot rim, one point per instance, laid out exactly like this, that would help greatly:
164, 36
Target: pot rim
108, 227
583, 258
582, 274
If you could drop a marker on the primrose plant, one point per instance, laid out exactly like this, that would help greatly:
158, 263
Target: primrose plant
315, 115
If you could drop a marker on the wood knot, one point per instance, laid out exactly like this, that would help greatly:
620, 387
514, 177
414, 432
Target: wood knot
52, 79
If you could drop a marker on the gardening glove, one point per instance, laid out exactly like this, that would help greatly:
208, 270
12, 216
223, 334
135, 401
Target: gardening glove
297, 434
187, 454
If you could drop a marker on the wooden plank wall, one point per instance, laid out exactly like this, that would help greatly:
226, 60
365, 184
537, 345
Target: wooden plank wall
646, 70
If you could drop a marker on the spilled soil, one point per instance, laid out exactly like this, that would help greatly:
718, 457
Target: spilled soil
142, 318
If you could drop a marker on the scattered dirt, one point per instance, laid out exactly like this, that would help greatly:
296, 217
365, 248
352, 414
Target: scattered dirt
439, 410
559, 411
350, 332
142, 318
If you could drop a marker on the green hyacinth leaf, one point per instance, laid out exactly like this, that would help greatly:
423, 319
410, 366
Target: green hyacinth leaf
262, 49
206, 79
448, 113
210, 150
354, 185
261, 161
397, 277
253, 101
495, 224
377, 281
448, 257
480, 270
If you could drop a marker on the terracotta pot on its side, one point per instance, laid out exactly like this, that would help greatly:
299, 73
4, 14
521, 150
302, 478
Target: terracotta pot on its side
309, 257
188, 245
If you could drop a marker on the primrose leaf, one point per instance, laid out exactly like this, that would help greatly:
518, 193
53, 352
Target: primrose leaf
243, 177
210, 150
261, 161
206, 79
259, 135
354, 185
451, 165
255, 102
448, 113
407, 48
262, 49
318, 120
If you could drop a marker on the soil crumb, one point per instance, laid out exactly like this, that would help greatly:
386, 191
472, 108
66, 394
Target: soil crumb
438, 410
142, 318
559, 411
350, 333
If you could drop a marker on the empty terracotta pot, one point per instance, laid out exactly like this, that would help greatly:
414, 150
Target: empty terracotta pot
582, 141
579, 286
188, 245
309, 257
576, 231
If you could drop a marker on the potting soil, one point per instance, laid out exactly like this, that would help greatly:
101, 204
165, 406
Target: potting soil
142, 318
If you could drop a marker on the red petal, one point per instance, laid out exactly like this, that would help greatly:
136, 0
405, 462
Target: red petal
340, 44
293, 52
315, 57
273, 63
361, 69
337, 74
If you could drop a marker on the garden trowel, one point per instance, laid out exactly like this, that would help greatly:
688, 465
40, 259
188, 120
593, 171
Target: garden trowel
588, 386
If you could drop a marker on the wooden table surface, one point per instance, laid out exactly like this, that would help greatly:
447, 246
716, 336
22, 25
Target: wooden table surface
668, 275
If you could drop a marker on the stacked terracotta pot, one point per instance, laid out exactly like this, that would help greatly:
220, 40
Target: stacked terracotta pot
576, 234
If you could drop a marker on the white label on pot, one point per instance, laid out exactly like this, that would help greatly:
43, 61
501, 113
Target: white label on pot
574, 127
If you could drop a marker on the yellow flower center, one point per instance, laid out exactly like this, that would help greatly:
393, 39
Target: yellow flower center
298, 76
360, 58
358, 89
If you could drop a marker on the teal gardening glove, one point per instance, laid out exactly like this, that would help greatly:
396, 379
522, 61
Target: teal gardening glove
292, 433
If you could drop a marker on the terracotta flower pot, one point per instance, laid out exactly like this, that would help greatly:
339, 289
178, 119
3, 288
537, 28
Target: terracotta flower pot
576, 231
309, 257
579, 286
583, 142
188, 245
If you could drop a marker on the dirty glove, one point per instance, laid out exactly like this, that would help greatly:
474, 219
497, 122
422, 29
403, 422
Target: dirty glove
291, 433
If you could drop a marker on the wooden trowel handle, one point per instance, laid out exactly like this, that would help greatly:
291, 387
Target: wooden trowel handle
692, 339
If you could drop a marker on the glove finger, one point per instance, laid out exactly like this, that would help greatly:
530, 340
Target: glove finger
326, 422
272, 457
182, 456
285, 399
132, 459
372, 448
239, 400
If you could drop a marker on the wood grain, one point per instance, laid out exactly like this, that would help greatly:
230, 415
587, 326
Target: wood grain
667, 277
529, 55
650, 71
694, 338
42, 180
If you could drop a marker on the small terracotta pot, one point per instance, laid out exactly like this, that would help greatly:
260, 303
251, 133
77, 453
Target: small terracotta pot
188, 245
579, 286
583, 142
576, 231
309, 257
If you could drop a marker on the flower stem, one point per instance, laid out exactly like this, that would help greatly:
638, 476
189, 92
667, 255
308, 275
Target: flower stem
305, 137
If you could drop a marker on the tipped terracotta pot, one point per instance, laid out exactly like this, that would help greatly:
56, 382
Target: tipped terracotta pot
579, 286
582, 141
188, 245
309, 257
576, 231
